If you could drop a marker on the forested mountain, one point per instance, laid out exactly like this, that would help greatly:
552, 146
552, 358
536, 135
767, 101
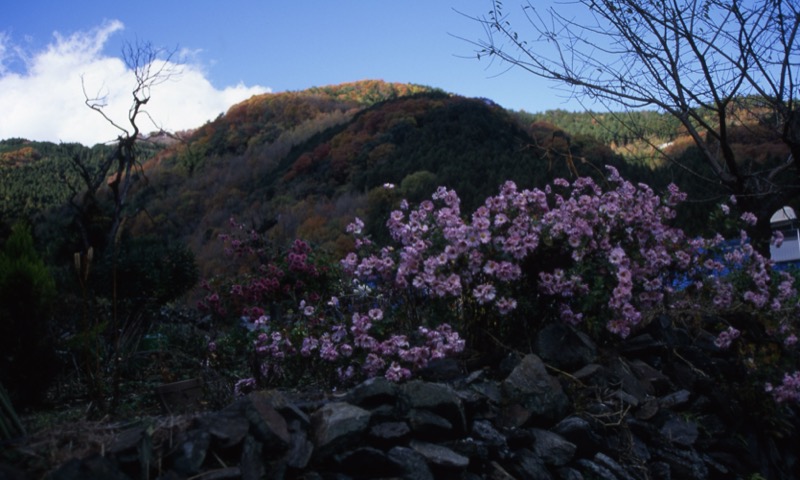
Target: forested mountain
307, 174
302, 164
36, 177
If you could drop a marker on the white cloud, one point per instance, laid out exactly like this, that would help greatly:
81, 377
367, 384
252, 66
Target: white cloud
45, 101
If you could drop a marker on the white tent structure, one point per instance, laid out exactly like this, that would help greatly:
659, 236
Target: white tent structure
785, 221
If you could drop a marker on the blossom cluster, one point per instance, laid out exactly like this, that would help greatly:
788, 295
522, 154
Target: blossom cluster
304, 329
726, 337
278, 278
610, 255
788, 390
353, 348
571, 251
442, 254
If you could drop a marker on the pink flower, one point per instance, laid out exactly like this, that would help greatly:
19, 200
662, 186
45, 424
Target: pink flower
749, 218
788, 390
244, 386
309, 345
355, 227
726, 337
345, 374
373, 364
616, 256
505, 305
396, 373
484, 293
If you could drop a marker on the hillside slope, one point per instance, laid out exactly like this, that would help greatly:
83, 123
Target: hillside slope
302, 164
306, 175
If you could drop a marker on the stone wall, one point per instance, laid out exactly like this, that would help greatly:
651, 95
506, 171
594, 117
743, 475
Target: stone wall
648, 410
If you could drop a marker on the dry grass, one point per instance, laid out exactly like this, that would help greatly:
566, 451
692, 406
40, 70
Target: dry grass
45, 449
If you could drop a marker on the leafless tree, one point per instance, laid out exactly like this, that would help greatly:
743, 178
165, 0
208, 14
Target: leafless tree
118, 170
151, 66
705, 62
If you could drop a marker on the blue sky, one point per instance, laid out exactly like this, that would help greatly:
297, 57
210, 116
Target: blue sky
50, 50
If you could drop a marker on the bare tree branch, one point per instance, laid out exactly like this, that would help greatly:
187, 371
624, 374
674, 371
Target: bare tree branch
151, 67
708, 63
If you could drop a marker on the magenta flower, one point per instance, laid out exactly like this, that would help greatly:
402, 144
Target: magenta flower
396, 373
484, 293
726, 337
505, 305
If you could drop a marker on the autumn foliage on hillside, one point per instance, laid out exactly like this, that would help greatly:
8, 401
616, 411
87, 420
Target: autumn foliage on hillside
302, 163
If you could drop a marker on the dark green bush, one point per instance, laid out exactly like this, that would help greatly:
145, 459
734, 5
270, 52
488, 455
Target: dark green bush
27, 293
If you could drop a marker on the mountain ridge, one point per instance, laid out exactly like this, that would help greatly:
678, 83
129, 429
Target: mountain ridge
302, 164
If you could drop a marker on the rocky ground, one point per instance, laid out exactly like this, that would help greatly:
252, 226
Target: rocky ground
652, 409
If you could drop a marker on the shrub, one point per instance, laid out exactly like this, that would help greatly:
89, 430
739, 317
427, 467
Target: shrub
608, 261
27, 292
305, 321
576, 253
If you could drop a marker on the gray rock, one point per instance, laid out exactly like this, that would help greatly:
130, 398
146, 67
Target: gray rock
226, 428
530, 386
484, 430
490, 390
224, 473
639, 450
567, 473
647, 410
336, 426
683, 463
128, 440
268, 425
611, 464
596, 471
644, 343
438, 398
552, 448
94, 467
497, 472
387, 433
429, 426
133, 447
622, 373
579, 432
367, 462
477, 451
441, 370
528, 466
286, 407
564, 347
251, 464
653, 378
300, 447
680, 431
191, 452
660, 471
412, 464
590, 371
373, 392
439, 455
514, 415
674, 399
